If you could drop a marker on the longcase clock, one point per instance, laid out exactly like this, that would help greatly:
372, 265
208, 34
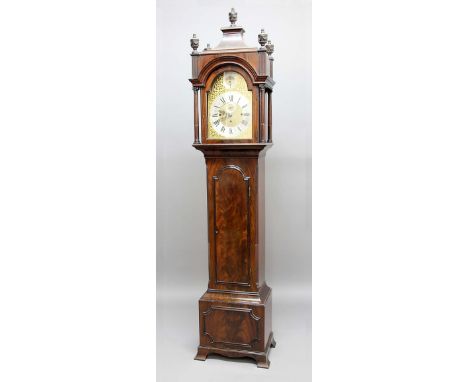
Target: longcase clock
233, 86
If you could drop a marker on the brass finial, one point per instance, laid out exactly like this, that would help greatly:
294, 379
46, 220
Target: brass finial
233, 17
262, 39
194, 42
269, 48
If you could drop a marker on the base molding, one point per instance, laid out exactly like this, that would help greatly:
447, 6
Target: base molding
260, 357
236, 325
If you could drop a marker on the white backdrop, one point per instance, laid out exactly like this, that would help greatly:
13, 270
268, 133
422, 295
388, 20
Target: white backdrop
390, 206
77, 190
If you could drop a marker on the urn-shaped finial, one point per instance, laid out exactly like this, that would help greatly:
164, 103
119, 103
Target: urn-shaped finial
269, 48
194, 42
262, 39
233, 17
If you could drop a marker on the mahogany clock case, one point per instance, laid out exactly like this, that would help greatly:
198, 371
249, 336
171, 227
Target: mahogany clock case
235, 313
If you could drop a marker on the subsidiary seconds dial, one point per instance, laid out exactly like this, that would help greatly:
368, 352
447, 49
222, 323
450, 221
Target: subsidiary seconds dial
230, 114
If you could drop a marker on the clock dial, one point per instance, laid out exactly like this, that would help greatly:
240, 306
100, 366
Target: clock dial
229, 108
230, 114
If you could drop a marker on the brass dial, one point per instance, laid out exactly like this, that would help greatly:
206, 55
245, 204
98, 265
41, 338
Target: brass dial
229, 108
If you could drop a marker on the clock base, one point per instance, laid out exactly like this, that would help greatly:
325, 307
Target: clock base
260, 357
236, 324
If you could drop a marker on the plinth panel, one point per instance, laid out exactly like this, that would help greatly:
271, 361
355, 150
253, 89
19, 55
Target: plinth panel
231, 326
236, 325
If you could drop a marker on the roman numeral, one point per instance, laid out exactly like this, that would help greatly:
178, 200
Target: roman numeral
244, 122
222, 100
246, 114
216, 106
216, 122
214, 115
238, 100
230, 131
244, 106
231, 98
222, 129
